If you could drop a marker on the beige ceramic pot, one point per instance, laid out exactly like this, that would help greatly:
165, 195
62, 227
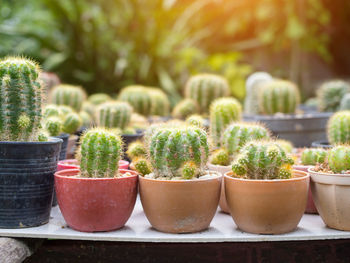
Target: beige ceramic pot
267, 206
180, 206
222, 170
331, 194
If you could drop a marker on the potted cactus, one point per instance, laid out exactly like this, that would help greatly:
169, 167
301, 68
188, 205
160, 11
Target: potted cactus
330, 94
264, 194
135, 151
185, 108
28, 158
178, 194
197, 120
97, 196
99, 98
69, 95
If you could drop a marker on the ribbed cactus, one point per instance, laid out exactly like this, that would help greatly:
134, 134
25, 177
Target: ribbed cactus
278, 96
338, 130
204, 88
86, 119
143, 166
99, 153
313, 156
262, 160
69, 95
99, 98
64, 110
51, 110
171, 148
339, 158
20, 100
345, 102
331, 93
160, 105
89, 108
136, 150
72, 122
138, 97
189, 170
53, 125
287, 146
220, 157
237, 134
185, 108
114, 114
196, 120
223, 111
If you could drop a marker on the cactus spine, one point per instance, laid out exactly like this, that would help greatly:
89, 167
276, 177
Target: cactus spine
339, 158
114, 115
313, 156
287, 146
331, 93
99, 98
262, 160
99, 153
278, 96
338, 130
204, 88
69, 95
20, 100
185, 108
196, 120
143, 166
223, 111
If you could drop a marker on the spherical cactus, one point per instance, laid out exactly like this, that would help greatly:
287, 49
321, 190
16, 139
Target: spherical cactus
287, 146
143, 166
64, 110
86, 119
114, 115
204, 88
345, 102
339, 158
170, 148
51, 110
136, 149
262, 160
278, 96
99, 153
189, 170
138, 97
223, 111
338, 130
72, 122
20, 100
237, 134
69, 95
99, 98
43, 136
89, 108
220, 157
196, 120
313, 156
53, 125
185, 108
160, 105
331, 93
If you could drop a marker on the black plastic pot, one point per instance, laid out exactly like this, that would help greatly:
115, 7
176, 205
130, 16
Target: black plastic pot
129, 138
63, 152
321, 144
27, 182
300, 129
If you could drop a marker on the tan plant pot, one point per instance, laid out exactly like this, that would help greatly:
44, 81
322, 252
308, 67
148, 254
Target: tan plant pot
267, 206
180, 206
222, 170
331, 194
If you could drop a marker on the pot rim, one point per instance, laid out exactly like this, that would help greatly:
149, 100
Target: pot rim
51, 141
217, 165
304, 175
312, 172
184, 181
302, 116
295, 166
60, 174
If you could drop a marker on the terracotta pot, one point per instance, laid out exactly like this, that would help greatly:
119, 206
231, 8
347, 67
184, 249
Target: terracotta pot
222, 170
180, 206
331, 194
73, 164
310, 206
267, 206
95, 204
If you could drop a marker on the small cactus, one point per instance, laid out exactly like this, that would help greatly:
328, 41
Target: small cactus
185, 108
51, 110
189, 170
89, 108
345, 102
223, 111
114, 115
262, 160
287, 146
313, 156
138, 97
99, 153
143, 166
204, 88
86, 119
53, 125
278, 96
339, 158
136, 149
43, 136
160, 105
338, 128
331, 93
69, 95
220, 157
196, 120
72, 122
99, 98
64, 110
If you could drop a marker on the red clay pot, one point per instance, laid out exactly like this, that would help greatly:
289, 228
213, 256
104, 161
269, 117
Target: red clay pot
95, 204
73, 164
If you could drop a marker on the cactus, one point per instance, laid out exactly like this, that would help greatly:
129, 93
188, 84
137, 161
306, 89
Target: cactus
262, 160
51, 110
99, 153
114, 115
69, 95
189, 170
237, 134
204, 88
64, 110
287, 146
20, 100
143, 166
160, 105
223, 111
53, 125
278, 96
331, 93
345, 102
338, 128
313, 156
185, 108
89, 108
99, 98
339, 158
86, 120
220, 157
196, 120
136, 149
43, 136
170, 148
138, 97
312, 102
71, 123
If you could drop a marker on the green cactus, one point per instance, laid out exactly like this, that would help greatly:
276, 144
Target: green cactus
338, 128
220, 157
114, 114
51, 110
278, 96
72, 122
170, 148
138, 97
330, 95
345, 102
313, 156
64, 110
160, 105
136, 149
89, 108
69, 95
86, 119
312, 102
196, 120
223, 111
20, 100
143, 166
204, 88
99, 153
262, 160
99, 98
189, 170
339, 158
287, 146
43, 136
185, 108
237, 134
53, 125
